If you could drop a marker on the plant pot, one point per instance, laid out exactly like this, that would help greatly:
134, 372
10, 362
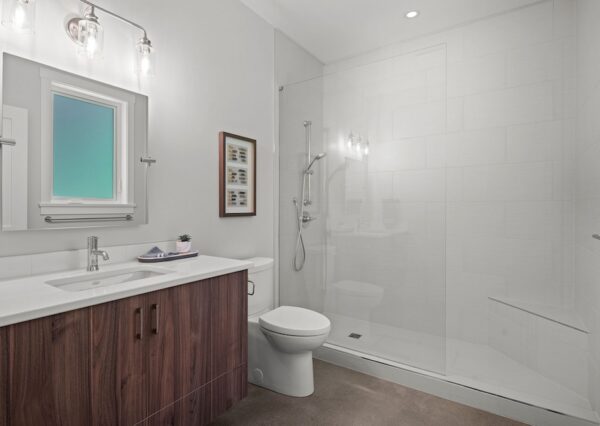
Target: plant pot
183, 246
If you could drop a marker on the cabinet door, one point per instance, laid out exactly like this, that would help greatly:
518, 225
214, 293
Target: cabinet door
160, 351
229, 389
3, 376
195, 408
229, 320
118, 353
193, 336
48, 370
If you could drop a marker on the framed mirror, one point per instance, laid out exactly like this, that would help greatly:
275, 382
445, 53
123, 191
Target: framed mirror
79, 153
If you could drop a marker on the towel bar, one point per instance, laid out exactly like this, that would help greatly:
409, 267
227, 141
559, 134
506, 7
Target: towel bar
50, 219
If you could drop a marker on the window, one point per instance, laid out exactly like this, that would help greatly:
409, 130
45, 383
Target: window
85, 150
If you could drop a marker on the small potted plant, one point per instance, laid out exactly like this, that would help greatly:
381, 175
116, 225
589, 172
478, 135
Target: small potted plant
184, 243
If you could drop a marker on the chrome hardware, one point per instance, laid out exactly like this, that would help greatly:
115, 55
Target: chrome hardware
139, 333
596, 236
50, 219
155, 317
8, 142
307, 218
93, 253
148, 160
253, 288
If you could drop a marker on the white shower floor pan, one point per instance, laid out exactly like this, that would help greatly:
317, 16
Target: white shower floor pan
475, 366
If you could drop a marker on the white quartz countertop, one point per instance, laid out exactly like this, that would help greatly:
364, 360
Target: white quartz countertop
31, 297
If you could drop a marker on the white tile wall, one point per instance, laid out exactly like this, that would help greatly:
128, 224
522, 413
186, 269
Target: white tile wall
587, 203
482, 125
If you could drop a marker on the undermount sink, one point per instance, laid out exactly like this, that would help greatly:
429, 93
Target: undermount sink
92, 280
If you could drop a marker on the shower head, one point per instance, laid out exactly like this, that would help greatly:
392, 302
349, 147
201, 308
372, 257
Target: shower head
314, 160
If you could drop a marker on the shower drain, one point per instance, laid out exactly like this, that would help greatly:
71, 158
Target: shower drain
355, 335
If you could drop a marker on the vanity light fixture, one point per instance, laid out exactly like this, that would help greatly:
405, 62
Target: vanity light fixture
19, 14
412, 14
87, 32
350, 141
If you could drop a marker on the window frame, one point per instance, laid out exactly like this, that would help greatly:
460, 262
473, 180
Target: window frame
54, 83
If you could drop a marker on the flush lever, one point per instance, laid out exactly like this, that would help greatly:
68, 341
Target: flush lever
251, 292
596, 236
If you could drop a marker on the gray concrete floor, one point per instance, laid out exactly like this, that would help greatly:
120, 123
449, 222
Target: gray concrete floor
346, 398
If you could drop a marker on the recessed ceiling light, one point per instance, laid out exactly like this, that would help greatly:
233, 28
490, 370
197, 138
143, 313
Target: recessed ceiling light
412, 14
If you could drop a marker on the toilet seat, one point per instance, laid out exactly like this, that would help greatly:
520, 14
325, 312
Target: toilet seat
295, 321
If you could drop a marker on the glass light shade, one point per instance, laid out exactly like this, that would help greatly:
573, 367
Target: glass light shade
19, 14
90, 36
146, 56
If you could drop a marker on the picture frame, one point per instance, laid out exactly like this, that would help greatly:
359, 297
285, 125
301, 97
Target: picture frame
237, 175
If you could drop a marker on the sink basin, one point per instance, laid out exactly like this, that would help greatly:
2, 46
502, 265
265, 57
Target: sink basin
92, 280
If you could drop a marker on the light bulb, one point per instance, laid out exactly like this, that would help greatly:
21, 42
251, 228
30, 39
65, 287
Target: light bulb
367, 149
358, 147
91, 45
145, 57
20, 14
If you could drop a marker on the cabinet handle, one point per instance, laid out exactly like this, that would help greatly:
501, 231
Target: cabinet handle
139, 333
155, 317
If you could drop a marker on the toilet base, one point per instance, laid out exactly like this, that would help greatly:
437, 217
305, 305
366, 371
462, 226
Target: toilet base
286, 373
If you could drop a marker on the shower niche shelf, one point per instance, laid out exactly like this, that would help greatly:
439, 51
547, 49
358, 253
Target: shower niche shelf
556, 314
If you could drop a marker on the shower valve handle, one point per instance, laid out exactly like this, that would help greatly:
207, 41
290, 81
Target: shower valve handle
306, 218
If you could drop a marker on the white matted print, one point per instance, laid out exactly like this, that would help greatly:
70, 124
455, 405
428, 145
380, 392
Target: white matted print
237, 175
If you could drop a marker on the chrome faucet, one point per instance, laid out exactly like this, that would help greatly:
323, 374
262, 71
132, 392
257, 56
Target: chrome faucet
93, 253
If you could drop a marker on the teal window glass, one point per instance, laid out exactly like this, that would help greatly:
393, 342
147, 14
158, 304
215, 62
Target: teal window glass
83, 149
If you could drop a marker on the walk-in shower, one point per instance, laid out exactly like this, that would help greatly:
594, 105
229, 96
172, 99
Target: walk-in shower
303, 216
459, 242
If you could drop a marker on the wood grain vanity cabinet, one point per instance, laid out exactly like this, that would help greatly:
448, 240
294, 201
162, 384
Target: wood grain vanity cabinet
169, 357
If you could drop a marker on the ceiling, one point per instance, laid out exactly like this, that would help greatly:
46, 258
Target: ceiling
337, 29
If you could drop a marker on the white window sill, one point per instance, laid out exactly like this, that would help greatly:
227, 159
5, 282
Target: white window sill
85, 209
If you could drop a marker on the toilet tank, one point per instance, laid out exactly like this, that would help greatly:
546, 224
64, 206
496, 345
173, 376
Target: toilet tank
261, 274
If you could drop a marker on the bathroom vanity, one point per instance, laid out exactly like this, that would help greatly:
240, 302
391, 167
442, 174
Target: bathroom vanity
167, 349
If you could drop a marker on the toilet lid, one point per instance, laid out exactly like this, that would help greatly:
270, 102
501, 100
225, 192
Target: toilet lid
295, 321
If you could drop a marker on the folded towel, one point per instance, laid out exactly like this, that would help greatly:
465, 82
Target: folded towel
154, 253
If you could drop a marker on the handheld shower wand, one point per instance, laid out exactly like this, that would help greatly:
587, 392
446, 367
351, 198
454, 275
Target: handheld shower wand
317, 158
302, 216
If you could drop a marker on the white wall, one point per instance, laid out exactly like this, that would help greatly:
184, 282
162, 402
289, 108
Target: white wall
587, 183
215, 71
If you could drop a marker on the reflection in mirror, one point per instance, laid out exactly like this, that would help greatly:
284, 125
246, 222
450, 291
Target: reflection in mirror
74, 163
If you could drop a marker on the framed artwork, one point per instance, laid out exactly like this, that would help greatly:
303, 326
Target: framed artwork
237, 175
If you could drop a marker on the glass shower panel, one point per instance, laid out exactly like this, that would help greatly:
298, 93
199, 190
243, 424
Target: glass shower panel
299, 103
376, 258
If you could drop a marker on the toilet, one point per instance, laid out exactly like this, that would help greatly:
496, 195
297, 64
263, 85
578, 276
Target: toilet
280, 340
